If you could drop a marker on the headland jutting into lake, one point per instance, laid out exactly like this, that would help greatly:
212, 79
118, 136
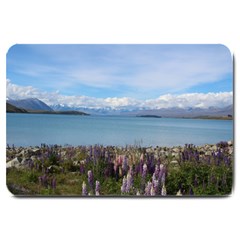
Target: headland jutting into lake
120, 171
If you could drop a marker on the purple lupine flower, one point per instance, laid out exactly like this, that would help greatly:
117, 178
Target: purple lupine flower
155, 184
97, 188
84, 189
129, 181
90, 178
191, 192
224, 180
81, 168
125, 165
43, 180
54, 183
144, 173
157, 171
124, 185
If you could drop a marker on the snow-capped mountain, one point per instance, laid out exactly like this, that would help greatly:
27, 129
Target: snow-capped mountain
164, 112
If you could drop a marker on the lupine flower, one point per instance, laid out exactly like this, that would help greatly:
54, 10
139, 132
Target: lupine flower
152, 191
43, 180
90, 178
148, 189
54, 183
125, 165
164, 190
124, 185
144, 173
155, 184
179, 193
157, 171
129, 181
97, 188
191, 192
81, 168
162, 174
84, 189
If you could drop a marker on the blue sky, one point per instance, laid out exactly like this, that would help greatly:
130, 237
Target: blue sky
143, 71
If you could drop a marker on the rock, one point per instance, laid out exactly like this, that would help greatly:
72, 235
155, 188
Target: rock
34, 158
175, 155
14, 163
208, 153
76, 163
230, 150
149, 150
213, 148
25, 161
175, 150
54, 169
36, 151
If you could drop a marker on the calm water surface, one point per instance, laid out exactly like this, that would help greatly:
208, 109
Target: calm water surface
34, 129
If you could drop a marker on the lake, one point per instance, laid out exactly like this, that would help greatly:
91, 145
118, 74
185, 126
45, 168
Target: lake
34, 129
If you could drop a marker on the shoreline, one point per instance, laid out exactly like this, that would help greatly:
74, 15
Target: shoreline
28, 151
138, 116
11, 146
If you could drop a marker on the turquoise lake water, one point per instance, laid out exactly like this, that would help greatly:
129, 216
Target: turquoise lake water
34, 129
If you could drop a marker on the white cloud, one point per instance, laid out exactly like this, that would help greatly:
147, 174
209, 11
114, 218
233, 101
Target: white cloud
203, 100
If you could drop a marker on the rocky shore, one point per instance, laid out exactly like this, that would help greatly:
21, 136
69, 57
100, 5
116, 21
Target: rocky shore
19, 156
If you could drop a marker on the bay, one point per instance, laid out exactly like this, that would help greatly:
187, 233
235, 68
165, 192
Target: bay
34, 129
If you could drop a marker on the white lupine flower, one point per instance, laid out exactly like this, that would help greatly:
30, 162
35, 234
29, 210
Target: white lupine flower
84, 189
124, 185
179, 193
152, 191
164, 190
97, 188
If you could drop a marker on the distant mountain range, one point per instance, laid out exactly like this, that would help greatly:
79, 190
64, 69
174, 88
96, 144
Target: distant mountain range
188, 112
35, 105
163, 112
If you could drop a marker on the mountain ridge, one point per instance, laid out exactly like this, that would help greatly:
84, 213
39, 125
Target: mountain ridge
30, 104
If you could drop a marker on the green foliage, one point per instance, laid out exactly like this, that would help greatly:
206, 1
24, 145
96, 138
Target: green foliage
202, 178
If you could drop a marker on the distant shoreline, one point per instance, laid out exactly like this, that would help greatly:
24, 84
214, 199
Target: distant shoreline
143, 116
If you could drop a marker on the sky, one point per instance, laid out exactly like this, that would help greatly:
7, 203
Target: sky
122, 75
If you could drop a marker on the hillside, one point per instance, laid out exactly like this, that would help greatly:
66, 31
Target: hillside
14, 109
30, 104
